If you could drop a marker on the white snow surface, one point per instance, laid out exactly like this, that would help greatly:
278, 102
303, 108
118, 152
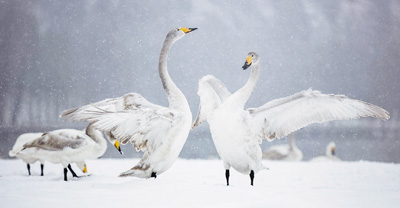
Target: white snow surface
201, 183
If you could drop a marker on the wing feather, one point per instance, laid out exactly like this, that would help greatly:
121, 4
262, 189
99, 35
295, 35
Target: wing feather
280, 117
129, 101
130, 118
212, 93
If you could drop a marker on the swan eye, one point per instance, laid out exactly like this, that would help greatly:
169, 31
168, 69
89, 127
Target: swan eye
252, 55
177, 29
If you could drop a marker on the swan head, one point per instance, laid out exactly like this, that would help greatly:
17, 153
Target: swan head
82, 165
179, 32
330, 149
252, 58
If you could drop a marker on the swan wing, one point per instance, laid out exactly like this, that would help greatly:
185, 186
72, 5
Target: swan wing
212, 93
280, 117
144, 125
129, 101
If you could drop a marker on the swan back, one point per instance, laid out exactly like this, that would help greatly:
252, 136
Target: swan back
21, 140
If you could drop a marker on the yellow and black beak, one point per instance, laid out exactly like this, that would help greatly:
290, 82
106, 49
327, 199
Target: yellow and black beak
116, 145
84, 169
248, 62
333, 150
187, 30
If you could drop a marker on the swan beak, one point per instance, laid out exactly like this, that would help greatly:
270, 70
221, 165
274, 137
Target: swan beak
247, 63
84, 169
187, 30
116, 145
333, 150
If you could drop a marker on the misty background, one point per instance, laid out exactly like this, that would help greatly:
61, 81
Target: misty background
56, 55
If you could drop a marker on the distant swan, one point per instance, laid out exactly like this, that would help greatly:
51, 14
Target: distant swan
158, 131
28, 159
329, 154
286, 152
66, 146
237, 133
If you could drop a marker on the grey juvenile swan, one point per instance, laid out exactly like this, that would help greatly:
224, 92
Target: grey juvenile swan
237, 133
30, 159
66, 146
158, 131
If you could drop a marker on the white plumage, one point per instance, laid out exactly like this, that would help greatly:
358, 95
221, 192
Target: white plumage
158, 131
329, 154
285, 152
237, 133
28, 159
66, 146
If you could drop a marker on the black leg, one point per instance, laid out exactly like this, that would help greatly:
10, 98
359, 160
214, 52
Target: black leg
29, 168
41, 168
154, 175
252, 176
72, 171
65, 174
227, 176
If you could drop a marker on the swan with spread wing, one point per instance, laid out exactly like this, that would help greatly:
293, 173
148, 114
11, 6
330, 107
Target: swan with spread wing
158, 131
237, 133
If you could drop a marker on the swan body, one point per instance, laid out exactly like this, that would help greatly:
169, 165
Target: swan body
66, 146
237, 133
329, 154
285, 152
28, 159
158, 131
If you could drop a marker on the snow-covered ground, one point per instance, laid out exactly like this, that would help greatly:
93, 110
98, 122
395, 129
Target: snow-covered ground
201, 183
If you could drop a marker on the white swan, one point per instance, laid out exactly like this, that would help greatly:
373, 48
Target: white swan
286, 152
28, 159
329, 154
66, 146
158, 131
237, 133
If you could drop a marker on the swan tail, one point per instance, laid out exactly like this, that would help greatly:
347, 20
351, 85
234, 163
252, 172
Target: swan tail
15, 151
12, 153
140, 171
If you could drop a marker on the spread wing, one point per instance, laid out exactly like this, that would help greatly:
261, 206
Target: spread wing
140, 122
280, 117
212, 93
129, 101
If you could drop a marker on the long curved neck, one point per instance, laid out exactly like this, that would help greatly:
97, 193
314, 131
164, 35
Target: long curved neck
173, 92
244, 93
96, 135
